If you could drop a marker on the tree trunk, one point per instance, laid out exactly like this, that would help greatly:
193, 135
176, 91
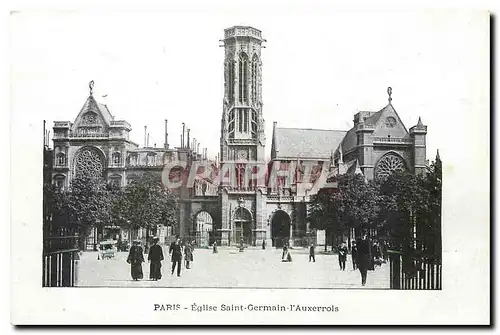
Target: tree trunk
146, 246
326, 240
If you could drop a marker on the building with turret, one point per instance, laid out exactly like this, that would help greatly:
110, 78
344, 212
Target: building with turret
239, 209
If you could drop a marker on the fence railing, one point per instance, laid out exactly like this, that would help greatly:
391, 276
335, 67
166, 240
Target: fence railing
412, 273
60, 261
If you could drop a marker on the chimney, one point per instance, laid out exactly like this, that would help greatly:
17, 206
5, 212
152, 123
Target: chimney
147, 143
145, 135
183, 130
198, 148
194, 144
188, 130
166, 135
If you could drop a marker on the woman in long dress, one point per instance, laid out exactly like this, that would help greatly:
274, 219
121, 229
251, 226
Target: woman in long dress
155, 257
135, 259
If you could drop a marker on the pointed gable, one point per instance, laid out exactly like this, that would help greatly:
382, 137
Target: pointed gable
387, 123
93, 116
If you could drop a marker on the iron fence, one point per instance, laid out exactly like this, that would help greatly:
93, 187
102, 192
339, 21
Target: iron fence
414, 273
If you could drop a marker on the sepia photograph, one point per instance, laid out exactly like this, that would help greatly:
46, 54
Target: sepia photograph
189, 149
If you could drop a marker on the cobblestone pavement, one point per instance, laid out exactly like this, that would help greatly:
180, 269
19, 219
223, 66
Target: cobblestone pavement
253, 268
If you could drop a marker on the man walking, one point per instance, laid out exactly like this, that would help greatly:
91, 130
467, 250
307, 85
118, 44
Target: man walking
363, 257
176, 252
342, 256
311, 253
354, 255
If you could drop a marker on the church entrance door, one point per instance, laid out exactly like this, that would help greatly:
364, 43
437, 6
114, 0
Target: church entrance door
242, 226
280, 225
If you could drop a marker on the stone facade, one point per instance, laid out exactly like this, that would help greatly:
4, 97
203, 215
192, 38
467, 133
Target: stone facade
271, 210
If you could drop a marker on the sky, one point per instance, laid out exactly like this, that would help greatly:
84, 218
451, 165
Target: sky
320, 66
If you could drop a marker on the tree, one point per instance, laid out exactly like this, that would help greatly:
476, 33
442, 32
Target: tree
354, 204
149, 203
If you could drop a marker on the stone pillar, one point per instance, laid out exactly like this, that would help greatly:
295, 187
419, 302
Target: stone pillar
225, 217
290, 241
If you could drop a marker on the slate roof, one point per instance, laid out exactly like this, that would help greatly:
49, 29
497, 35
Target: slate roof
106, 114
350, 140
306, 143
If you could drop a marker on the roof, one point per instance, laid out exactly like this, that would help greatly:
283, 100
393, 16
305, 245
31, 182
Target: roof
306, 143
106, 114
350, 140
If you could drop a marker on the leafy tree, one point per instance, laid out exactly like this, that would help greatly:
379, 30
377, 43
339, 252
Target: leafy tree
354, 204
149, 203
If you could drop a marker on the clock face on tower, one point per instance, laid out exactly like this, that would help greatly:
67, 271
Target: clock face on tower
242, 154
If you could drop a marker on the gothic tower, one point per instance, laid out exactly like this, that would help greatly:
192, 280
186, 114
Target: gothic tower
242, 133
242, 141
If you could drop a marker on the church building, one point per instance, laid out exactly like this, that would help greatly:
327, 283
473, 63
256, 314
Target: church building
269, 210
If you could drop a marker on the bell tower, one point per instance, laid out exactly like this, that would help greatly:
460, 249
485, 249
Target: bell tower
242, 128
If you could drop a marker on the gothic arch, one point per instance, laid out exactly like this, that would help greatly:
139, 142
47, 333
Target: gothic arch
281, 227
390, 162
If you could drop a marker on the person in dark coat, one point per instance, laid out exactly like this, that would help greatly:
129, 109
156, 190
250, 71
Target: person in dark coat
155, 257
286, 257
311, 253
363, 257
188, 254
342, 256
135, 259
176, 251
354, 255
214, 248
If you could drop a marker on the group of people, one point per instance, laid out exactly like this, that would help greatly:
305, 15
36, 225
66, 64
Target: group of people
365, 255
155, 257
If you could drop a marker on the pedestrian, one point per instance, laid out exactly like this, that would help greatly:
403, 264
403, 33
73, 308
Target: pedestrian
176, 251
363, 246
155, 257
135, 259
354, 255
188, 255
311, 253
214, 247
342, 256
263, 244
241, 245
286, 257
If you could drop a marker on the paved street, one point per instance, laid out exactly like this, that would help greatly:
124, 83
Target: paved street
230, 268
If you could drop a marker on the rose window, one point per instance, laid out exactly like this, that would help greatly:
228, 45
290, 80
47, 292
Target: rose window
389, 164
88, 163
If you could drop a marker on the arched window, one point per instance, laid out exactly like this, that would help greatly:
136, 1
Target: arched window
116, 158
61, 159
230, 81
255, 78
59, 182
88, 163
243, 78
